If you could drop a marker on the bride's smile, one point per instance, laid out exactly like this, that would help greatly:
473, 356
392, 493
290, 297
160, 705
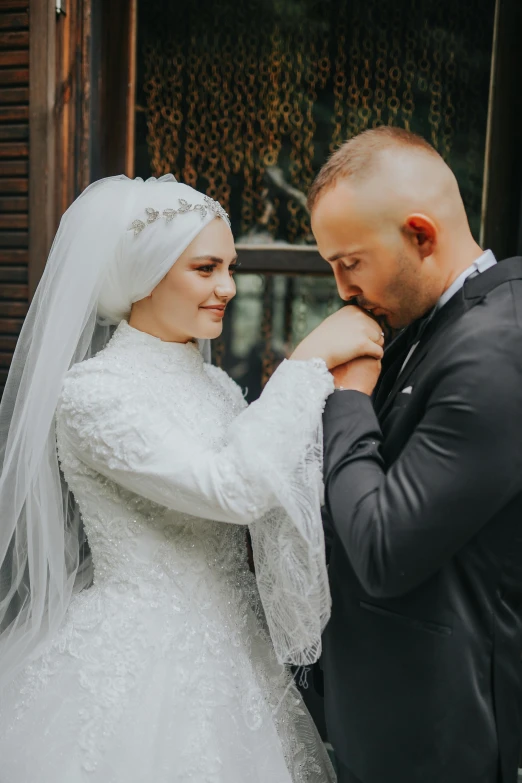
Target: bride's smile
189, 303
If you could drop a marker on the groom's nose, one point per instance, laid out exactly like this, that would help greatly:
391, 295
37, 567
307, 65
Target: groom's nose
346, 289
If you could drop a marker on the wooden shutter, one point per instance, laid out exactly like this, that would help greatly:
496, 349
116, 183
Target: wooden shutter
14, 174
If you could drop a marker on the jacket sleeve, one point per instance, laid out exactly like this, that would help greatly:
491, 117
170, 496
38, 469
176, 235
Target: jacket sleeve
400, 523
131, 444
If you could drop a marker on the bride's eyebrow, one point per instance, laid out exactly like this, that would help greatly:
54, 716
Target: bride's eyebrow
214, 259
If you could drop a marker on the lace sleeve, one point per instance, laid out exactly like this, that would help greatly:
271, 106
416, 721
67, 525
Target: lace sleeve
268, 475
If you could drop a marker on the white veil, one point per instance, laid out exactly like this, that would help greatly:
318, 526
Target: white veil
95, 266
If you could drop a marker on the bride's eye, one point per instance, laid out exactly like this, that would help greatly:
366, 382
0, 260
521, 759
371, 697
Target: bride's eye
208, 268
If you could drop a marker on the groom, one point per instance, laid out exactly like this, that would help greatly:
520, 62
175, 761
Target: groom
423, 477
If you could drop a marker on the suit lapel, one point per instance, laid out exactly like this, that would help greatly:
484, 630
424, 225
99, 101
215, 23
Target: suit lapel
473, 291
393, 354
454, 309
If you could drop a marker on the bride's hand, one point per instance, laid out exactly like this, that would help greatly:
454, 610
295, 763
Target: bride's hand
358, 375
347, 334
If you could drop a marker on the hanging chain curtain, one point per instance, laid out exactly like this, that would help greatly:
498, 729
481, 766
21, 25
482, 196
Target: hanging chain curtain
246, 100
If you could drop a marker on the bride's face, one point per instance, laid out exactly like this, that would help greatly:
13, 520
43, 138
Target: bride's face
191, 299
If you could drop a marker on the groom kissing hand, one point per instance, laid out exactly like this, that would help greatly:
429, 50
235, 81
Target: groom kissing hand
423, 476
350, 342
348, 334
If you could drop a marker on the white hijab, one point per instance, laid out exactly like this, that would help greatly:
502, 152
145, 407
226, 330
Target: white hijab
114, 245
145, 253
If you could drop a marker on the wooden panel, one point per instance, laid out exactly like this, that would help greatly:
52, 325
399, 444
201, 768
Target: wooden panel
13, 292
14, 168
10, 325
286, 260
14, 76
14, 58
14, 5
13, 274
114, 93
17, 40
9, 239
8, 343
13, 256
14, 21
76, 74
13, 203
13, 185
13, 221
5, 358
13, 309
14, 132
14, 150
14, 95
42, 136
14, 113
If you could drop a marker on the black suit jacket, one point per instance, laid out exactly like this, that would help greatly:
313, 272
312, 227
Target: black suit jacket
422, 655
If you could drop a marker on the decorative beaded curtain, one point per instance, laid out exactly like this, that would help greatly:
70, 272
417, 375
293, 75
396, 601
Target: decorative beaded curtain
246, 99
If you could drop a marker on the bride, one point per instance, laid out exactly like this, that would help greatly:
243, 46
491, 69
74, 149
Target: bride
152, 653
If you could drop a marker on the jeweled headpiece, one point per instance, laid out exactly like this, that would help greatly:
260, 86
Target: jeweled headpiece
209, 205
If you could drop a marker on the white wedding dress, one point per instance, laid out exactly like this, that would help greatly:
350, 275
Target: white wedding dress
163, 671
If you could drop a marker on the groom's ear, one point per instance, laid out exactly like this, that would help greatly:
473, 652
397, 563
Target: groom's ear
422, 232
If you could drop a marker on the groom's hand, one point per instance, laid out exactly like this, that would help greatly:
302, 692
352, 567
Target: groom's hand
343, 336
358, 375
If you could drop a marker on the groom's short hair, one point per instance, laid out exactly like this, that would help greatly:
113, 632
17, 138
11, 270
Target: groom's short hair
355, 158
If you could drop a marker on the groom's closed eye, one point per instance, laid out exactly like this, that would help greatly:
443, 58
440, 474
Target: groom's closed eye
352, 266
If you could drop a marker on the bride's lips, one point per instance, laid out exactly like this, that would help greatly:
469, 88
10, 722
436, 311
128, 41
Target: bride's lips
218, 310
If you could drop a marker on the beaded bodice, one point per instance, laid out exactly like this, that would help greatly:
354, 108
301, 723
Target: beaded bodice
133, 539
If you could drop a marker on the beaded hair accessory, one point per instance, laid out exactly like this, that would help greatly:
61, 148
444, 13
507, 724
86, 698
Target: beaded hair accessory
184, 206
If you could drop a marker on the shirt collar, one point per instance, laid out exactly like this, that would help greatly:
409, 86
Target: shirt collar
480, 264
483, 262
